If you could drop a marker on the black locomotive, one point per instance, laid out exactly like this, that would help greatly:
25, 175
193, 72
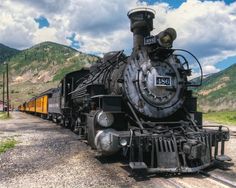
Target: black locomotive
141, 105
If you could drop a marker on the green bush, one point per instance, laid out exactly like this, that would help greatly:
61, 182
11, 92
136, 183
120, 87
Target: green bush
224, 117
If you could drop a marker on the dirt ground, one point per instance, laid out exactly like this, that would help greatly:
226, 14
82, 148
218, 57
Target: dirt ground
48, 155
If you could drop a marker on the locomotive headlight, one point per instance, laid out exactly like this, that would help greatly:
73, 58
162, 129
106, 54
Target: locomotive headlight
166, 37
123, 142
105, 119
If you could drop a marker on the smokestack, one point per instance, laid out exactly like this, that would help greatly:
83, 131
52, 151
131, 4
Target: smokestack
141, 24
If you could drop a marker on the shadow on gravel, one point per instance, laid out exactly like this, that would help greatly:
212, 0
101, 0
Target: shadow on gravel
146, 177
111, 159
221, 165
119, 159
222, 168
225, 166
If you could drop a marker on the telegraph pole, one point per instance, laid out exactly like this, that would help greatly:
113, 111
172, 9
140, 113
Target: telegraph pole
5, 63
3, 91
7, 91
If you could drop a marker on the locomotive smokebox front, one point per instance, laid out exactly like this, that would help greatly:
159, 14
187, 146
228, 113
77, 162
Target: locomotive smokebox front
141, 24
153, 82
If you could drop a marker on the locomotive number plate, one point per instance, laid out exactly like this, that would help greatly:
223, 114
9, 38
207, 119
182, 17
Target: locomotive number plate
163, 81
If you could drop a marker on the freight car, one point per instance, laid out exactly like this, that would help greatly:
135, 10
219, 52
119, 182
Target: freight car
140, 104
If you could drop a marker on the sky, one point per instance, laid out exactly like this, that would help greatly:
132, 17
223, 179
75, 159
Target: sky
204, 27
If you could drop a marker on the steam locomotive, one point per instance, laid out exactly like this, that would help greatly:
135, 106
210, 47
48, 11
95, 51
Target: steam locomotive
141, 105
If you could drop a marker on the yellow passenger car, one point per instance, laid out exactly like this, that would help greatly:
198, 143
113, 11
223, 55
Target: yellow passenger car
42, 104
31, 105
20, 108
27, 107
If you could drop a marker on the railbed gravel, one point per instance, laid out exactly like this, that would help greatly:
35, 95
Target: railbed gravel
48, 155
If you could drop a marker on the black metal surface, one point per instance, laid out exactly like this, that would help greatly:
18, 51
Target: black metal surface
109, 103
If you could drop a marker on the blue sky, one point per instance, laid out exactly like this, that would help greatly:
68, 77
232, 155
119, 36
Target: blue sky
97, 26
172, 3
177, 3
74, 43
42, 21
226, 62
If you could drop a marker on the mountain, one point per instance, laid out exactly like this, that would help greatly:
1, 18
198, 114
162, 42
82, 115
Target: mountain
6, 52
34, 70
218, 91
47, 62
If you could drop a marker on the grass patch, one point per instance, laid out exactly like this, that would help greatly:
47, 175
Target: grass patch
226, 117
3, 115
7, 144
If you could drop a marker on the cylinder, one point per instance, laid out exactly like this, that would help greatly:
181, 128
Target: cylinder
141, 24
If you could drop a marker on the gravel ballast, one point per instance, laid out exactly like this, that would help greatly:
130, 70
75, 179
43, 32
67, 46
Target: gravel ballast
48, 155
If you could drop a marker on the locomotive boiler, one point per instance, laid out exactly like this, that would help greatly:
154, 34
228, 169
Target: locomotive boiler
141, 105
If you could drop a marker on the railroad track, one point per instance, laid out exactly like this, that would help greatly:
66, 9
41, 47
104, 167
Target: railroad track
232, 133
166, 182
219, 179
173, 182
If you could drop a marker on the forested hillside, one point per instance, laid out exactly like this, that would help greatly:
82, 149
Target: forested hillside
218, 91
41, 67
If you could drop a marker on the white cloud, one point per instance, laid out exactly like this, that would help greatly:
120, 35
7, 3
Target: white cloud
47, 6
16, 30
205, 28
210, 69
45, 34
101, 25
118, 40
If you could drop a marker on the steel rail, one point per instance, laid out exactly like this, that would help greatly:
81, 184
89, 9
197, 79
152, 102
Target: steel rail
219, 179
